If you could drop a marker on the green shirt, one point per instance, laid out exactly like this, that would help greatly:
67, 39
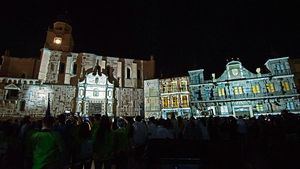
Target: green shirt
47, 147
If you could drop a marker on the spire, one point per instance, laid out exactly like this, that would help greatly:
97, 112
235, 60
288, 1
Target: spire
48, 113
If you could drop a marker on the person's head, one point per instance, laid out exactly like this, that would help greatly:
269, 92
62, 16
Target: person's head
138, 118
121, 123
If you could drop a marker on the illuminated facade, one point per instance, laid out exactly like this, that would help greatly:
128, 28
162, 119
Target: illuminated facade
152, 98
239, 92
121, 78
172, 95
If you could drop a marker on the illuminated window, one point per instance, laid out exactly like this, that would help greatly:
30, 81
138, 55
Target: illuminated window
175, 101
95, 93
221, 91
165, 102
255, 89
238, 90
270, 87
224, 110
259, 107
174, 86
183, 86
290, 105
285, 85
184, 101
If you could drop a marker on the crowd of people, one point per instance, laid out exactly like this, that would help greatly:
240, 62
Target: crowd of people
128, 143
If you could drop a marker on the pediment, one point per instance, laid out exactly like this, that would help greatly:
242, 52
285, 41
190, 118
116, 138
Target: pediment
11, 87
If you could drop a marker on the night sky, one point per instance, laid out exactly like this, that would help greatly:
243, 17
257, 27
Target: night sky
182, 35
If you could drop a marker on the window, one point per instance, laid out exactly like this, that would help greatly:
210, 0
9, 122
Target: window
169, 87
183, 86
128, 73
138, 74
165, 88
184, 101
270, 88
81, 92
238, 90
96, 80
12, 94
175, 101
61, 68
224, 110
174, 86
256, 89
95, 93
221, 91
285, 85
74, 71
165, 102
259, 107
290, 105
52, 67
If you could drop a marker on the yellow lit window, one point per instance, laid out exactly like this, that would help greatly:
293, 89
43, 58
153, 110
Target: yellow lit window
221, 91
175, 101
259, 107
184, 101
270, 87
256, 89
165, 102
286, 86
238, 90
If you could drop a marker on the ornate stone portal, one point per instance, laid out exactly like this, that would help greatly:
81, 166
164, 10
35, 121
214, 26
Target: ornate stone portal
95, 94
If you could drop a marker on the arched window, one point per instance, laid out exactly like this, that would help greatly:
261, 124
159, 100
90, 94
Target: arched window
128, 73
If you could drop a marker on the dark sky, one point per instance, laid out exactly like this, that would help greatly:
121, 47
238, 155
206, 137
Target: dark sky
182, 35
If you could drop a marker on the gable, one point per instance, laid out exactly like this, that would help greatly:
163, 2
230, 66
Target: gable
11, 87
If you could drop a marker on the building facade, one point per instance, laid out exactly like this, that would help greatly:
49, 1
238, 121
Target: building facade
239, 92
152, 98
59, 65
166, 96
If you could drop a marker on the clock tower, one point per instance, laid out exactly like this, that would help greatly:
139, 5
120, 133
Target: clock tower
59, 37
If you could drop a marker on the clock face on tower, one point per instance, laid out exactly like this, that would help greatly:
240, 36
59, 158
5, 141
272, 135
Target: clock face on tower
57, 40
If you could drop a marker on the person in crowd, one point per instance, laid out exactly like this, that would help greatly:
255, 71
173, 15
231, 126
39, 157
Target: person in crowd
84, 153
121, 143
151, 128
162, 132
192, 130
46, 147
139, 140
103, 144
